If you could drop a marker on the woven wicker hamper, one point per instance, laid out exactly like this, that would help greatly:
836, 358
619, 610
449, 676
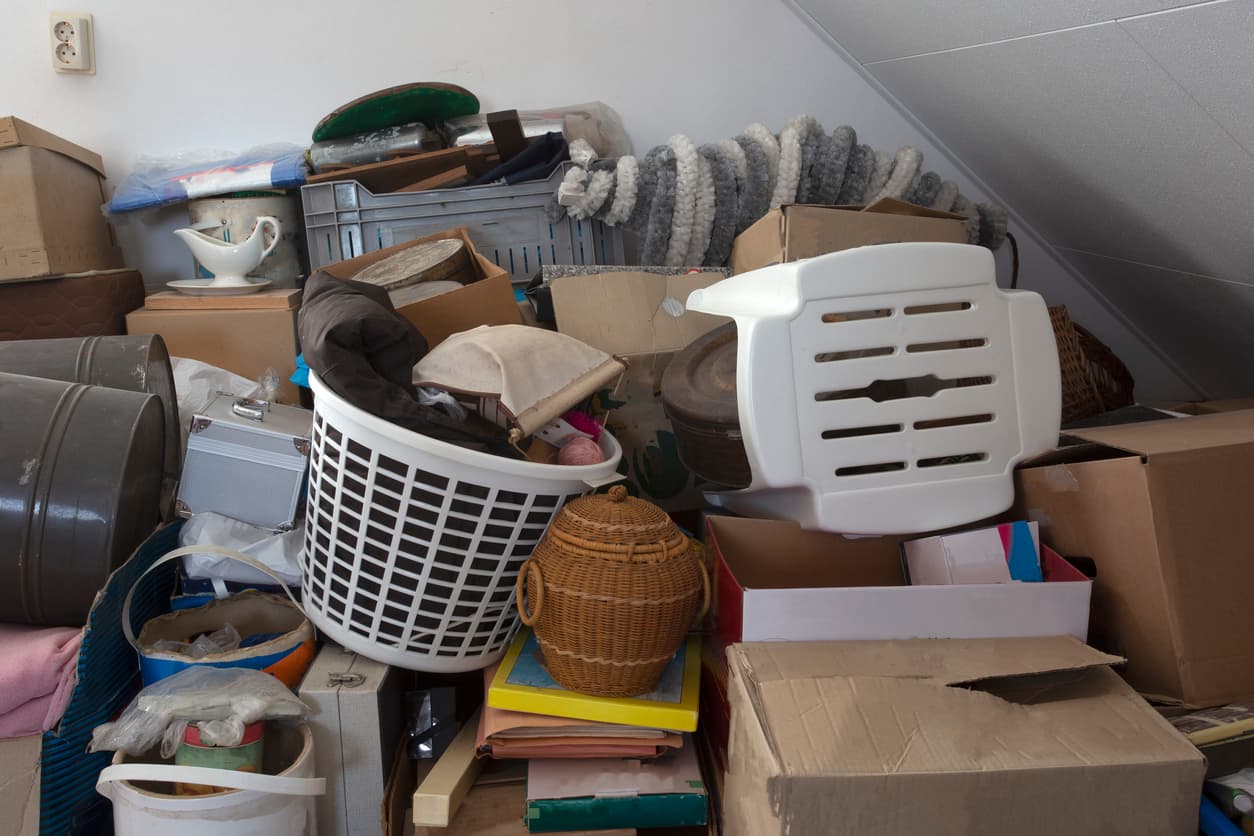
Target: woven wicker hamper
611, 591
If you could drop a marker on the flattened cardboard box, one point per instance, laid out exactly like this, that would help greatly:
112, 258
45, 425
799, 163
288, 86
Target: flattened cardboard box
640, 317
51, 191
1163, 510
19, 785
801, 231
949, 737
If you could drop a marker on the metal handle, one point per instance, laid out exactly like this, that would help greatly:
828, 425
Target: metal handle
251, 408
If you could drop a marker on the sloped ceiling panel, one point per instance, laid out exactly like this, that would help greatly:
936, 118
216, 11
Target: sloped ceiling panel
1127, 143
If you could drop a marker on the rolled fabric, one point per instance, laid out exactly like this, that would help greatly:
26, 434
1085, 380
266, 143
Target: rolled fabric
945, 196
598, 191
661, 212
726, 203
736, 158
755, 199
857, 175
905, 168
626, 183
687, 172
638, 221
703, 223
835, 162
964, 206
993, 223
925, 191
769, 144
789, 168
880, 172
582, 153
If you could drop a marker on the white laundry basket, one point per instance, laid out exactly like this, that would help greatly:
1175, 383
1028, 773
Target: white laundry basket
886, 389
413, 545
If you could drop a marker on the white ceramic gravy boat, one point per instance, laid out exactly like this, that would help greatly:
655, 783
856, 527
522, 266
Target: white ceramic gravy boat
230, 263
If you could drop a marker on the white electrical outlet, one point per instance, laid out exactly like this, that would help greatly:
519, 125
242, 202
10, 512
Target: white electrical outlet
72, 47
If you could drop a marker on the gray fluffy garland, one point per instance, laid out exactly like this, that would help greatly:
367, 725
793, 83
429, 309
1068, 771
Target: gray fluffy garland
737, 181
726, 204
857, 175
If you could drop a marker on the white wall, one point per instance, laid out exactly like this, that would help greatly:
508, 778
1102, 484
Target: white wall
173, 76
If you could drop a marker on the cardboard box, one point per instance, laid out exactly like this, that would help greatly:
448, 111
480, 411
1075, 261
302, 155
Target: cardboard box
357, 715
1213, 407
19, 785
640, 317
489, 300
1163, 510
830, 587
247, 342
801, 231
1035, 737
51, 191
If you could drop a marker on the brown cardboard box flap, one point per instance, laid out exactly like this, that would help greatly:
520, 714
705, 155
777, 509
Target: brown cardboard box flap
874, 708
15, 132
1175, 435
625, 313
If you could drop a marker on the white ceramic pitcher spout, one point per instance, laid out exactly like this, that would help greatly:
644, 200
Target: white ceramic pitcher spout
230, 263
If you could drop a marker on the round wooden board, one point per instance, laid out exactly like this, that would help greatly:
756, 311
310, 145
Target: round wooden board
429, 102
417, 292
443, 260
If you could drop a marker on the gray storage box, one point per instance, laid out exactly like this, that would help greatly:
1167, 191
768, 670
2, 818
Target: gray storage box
357, 717
247, 459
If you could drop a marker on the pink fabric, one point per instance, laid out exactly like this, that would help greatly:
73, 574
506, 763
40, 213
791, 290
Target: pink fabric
37, 675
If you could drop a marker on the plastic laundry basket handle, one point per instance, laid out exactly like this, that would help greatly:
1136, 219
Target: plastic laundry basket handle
229, 778
520, 586
129, 631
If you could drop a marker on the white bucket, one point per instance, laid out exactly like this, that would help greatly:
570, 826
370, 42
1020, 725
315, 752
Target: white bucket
255, 805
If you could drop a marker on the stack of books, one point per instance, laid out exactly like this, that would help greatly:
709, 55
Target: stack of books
594, 762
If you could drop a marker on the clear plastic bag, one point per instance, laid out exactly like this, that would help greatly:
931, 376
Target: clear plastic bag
596, 122
277, 551
223, 640
222, 701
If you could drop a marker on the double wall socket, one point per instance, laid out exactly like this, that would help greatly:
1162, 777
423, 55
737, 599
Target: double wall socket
72, 47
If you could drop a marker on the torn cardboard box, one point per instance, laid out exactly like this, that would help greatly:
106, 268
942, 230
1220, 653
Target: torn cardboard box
802, 231
641, 317
19, 785
488, 300
51, 191
1162, 509
1035, 737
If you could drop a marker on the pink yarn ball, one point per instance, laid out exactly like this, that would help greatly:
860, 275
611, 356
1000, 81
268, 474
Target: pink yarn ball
580, 451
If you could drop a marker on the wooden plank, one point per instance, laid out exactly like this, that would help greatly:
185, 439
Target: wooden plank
392, 175
171, 300
450, 178
440, 794
507, 133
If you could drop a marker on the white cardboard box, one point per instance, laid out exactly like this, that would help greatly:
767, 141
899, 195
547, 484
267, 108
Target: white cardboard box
776, 582
357, 719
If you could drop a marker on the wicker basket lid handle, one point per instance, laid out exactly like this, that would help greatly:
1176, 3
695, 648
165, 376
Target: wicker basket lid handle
618, 493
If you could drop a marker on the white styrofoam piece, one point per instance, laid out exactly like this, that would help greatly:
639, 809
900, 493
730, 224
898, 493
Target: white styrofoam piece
783, 363
877, 31
1203, 323
1087, 137
1206, 49
976, 611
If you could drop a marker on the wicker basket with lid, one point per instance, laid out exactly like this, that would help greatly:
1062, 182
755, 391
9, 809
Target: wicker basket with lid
611, 591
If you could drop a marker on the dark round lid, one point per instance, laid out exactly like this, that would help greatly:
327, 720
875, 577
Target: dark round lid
699, 385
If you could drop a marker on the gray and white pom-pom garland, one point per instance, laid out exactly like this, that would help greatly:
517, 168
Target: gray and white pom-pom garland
689, 203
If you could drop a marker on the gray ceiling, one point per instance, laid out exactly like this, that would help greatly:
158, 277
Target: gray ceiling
1121, 130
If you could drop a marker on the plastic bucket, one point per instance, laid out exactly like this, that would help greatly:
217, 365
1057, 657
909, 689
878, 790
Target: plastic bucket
137, 363
286, 657
281, 804
81, 491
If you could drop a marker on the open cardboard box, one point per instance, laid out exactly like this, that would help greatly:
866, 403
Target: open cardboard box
802, 230
489, 300
641, 317
1026, 736
1162, 508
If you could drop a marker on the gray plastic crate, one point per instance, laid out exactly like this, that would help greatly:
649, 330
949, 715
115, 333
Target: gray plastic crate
507, 224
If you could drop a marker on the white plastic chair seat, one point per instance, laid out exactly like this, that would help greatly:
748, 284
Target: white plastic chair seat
886, 389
